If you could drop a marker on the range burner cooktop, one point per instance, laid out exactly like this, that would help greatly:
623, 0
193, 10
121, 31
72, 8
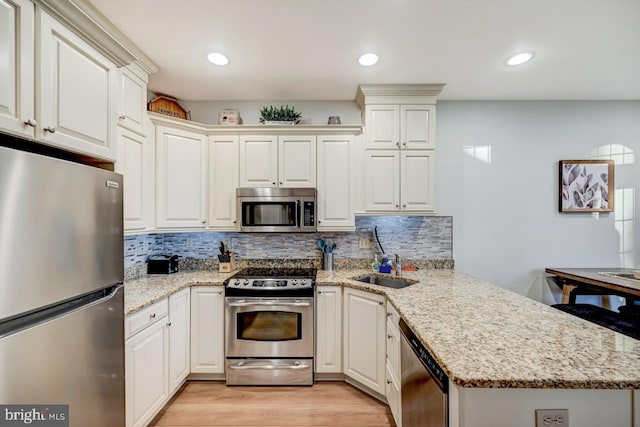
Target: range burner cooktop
272, 279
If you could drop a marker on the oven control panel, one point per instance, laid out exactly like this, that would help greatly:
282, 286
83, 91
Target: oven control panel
252, 283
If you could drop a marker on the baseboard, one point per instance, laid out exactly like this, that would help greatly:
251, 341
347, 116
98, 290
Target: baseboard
206, 377
329, 376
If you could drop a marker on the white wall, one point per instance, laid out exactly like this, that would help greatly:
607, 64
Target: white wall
313, 112
506, 224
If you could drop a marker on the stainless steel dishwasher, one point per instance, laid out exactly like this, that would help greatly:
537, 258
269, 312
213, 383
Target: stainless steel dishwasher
424, 384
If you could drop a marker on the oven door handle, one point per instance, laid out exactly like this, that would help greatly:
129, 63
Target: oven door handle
268, 303
260, 365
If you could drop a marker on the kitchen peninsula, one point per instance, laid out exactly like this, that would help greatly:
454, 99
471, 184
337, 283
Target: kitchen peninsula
495, 346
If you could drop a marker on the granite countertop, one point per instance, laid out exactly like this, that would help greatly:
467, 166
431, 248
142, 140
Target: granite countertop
482, 335
141, 293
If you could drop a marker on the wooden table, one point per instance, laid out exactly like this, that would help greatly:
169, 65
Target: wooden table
590, 281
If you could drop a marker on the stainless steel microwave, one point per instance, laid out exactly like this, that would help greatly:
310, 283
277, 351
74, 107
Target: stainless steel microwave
276, 210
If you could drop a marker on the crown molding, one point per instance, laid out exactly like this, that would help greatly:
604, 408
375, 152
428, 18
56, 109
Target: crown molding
397, 93
96, 29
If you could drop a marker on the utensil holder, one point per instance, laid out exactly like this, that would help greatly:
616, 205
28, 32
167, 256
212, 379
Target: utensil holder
327, 261
227, 267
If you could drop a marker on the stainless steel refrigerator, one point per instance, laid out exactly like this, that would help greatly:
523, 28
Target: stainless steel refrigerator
61, 294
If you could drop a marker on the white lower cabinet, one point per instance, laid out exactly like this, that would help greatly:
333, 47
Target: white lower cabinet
207, 329
156, 356
146, 366
393, 372
329, 329
394, 396
179, 334
364, 338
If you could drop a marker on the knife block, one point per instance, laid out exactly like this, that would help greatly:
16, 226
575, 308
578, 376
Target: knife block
227, 267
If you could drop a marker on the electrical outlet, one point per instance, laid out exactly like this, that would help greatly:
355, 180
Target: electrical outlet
189, 242
552, 418
363, 243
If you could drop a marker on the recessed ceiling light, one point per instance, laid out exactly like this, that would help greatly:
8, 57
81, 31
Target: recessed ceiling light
368, 59
217, 58
520, 58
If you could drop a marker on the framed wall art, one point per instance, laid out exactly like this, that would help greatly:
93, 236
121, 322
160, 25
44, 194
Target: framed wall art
586, 185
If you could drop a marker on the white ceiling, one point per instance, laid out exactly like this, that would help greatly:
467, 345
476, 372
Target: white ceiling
308, 49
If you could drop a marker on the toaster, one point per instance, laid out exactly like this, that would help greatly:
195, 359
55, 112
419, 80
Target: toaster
162, 264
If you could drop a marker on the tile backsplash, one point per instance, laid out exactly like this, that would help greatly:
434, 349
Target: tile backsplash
413, 237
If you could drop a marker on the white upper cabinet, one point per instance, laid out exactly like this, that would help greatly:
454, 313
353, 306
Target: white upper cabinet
391, 126
75, 92
132, 96
181, 178
277, 161
16, 73
383, 126
223, 181
417, 126
399, 181
135, 163
399, 148
258, 161
416, 181
382, 183
335, 205
297, 161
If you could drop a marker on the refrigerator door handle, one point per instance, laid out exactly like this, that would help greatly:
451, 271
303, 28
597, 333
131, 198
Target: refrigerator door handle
23, 323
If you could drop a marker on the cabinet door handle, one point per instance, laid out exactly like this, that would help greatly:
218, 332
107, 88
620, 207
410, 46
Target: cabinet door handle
280, 183
121, 117
388, 381
152, 316
404, 143
235, 221
380, 302
169, 324
389, 314
389, 336
30, 122
319, 222
204, 221
404, 206
319, 292
273, 183
50, 129
397, 206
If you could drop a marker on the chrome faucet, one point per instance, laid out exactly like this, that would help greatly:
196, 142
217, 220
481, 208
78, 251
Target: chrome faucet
397, 264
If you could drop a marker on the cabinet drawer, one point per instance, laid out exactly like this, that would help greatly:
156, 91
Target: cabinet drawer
393, 318
145, 317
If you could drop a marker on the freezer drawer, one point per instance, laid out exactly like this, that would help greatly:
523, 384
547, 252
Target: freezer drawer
76, 359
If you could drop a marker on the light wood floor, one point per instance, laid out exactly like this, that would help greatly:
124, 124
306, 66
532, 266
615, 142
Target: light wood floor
334, 404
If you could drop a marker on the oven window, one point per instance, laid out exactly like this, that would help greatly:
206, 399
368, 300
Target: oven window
269, 325
269, 214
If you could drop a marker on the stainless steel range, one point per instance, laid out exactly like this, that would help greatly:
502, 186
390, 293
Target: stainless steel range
270, 327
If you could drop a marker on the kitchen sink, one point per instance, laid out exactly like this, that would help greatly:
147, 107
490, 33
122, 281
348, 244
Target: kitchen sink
387, 282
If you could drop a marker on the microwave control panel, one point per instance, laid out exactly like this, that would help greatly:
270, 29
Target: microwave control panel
309, 216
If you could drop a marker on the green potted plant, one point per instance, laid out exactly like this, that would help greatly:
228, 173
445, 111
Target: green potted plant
284, 115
